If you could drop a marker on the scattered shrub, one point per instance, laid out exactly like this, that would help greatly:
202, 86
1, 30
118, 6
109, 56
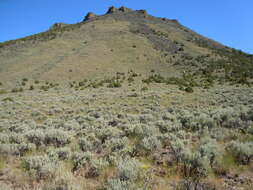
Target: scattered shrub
36, 136
40, 167
81, 159
60, 153
242, 151
129, 170
57, 137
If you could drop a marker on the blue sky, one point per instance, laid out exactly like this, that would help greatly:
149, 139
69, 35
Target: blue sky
227, 21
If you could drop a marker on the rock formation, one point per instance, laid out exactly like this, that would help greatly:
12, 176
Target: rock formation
89, 16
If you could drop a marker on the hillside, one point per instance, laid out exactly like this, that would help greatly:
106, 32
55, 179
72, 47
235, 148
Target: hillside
119, 41
125, 101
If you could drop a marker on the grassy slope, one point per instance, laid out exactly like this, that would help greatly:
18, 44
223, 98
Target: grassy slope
98, 47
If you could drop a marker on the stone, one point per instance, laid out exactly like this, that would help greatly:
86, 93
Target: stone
144, 12
124, 9
89, 16
112, 10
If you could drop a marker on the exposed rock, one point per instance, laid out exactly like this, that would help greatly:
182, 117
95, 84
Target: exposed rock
125, 9
175, 21
89, 16
112, 10
57, 25
144, 12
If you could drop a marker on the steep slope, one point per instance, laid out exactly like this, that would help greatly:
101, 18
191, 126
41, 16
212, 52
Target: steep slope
118, 41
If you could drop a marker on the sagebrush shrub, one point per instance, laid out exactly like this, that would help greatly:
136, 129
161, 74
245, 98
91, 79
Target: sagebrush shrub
211, 150
5, 187
60, 153
16, 149
57, 137
242, 151
40, 167
149, 145
35, 136
129, 169
118, 184
81, 159
96, 167
194, 166
4, 138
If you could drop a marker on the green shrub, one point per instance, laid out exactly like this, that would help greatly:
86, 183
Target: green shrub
3, 91
129, 169
194, 166
243, 152
57, 137
211, 150
14, 90
10, 99
5, 187
16, 149
96, 167
36, 136
189, 89
118, 184
60, 153
81, 159
89, 143
114, 84
40, 167
148, 145
144, 88
31, 87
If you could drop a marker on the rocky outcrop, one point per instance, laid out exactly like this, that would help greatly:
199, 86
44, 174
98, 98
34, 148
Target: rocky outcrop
144, 12
112, 10
121, 9
57, 25
89, 16
125, 9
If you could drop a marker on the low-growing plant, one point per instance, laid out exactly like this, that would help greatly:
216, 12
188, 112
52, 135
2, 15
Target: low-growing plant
8, 99
96, 167
81, 159
129, 170
148, 145
243, 152
57, 137
35, 136
14, 90
40, 167
60, 153
114, 84
16, 149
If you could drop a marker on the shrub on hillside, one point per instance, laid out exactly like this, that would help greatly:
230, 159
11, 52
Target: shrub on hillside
129, 170
242, 151
81, 159
148, 145
16, 149
40, 167
57, 137
118, 184
35, 136
96, 167
60, 153
194, 166
211, 150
